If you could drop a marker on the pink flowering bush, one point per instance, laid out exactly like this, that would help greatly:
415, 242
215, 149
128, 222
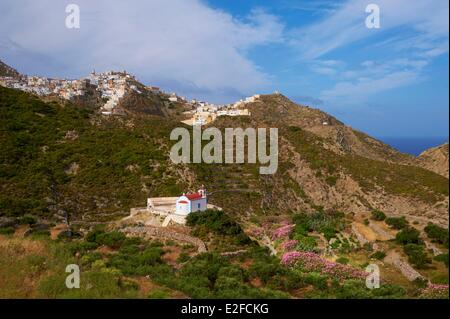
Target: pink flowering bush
309, 261
289, 245
283, 231
434, 291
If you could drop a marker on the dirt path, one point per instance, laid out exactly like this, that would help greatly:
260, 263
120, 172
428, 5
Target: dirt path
357, 230
381, 233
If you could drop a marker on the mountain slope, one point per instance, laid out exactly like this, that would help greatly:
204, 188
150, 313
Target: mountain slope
69, 159
435, 159
320, 170
278, 110
6, 70
57, 159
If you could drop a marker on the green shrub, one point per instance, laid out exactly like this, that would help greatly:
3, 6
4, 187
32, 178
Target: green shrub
159, 294
408, 235
290, 280
368, 247
53, 286
442, 258
265, 270
305, 243
388, 291
27, 219
317, 280
420, 282
378, 255
397, 222
128, 284
353, 289
342, 260
437, 233
151, 256
7, 230
132, 260
112, 239
91, 237
214, 220
417, 255
90, 257
233, 271
327, 223
378, 215
219, 223
356, 289
183, 257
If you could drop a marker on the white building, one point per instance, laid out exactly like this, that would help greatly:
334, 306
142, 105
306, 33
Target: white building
173, 98
164, 211
190, 203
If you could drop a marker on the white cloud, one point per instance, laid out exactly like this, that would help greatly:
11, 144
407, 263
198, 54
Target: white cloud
327, 67
183, 42
372, 77
346, 25
363, 88
412, 33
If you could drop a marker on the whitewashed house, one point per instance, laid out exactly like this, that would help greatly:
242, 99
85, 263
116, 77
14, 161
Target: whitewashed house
189, 203
173, 98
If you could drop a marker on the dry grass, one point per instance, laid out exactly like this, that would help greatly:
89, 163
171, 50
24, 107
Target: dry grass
366, 231
22, 263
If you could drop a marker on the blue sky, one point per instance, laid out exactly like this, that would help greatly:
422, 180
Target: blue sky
391, 81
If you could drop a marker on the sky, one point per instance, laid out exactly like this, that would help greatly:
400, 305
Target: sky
387, 81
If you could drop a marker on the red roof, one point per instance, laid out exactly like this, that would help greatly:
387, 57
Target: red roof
195, 196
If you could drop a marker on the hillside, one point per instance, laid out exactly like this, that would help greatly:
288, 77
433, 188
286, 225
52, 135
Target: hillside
435, 159
6, 70
59, 159
277, 110
68, 158
335, 207
150, 103
320, 167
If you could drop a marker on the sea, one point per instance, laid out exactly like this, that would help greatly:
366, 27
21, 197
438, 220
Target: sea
413, 145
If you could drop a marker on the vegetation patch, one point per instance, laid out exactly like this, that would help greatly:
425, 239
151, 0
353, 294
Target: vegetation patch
397, 222
437, 234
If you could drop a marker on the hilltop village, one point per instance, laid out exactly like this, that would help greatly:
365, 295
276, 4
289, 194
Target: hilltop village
112, 86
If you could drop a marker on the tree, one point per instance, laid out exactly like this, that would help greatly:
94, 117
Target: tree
417, 255
397, 222
378, 215
408, 235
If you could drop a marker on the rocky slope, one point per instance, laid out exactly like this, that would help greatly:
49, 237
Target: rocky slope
6, 70
324, 164
120, 161
435, 159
